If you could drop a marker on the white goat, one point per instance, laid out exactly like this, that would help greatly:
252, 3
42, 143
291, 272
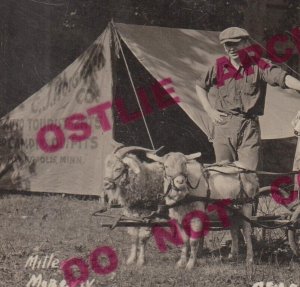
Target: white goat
180, 171
137, 186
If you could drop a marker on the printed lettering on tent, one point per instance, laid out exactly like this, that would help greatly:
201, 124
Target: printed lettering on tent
65, 126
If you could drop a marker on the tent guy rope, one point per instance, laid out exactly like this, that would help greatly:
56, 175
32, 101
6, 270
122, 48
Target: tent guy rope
269, 52
133, 87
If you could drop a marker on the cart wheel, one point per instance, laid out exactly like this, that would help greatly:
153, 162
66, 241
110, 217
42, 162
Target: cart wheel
294, 234
266, 206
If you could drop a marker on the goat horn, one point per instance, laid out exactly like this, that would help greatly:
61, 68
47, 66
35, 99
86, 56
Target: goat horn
155, 157
117, 148
124, 150
116, 145
193, 156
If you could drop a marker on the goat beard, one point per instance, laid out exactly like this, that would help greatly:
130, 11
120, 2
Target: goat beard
113, 196
177, 195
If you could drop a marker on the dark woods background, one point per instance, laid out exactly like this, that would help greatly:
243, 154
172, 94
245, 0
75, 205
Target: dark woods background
40, 38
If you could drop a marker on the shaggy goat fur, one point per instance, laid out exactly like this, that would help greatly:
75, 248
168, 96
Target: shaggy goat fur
139, 194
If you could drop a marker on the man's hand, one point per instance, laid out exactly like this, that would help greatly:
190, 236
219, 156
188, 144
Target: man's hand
295, 122
218, 118
292, 83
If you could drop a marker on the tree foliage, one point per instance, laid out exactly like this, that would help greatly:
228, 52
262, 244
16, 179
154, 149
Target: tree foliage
39, 38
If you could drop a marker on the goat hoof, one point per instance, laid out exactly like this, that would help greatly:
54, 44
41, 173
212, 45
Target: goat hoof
232, 257
130, 261
181, 263
249, 261
140, 262
190, 265
112, 276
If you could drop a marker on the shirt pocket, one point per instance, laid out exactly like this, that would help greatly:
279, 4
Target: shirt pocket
251, 84
251, 89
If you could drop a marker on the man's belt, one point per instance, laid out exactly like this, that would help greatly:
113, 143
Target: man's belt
243, 115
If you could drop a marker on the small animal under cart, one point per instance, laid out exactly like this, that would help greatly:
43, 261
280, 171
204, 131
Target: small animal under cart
192, 199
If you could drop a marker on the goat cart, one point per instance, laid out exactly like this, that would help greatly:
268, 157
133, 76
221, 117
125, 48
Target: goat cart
275, 219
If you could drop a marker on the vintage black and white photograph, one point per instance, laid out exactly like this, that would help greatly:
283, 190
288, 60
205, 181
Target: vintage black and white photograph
149, 143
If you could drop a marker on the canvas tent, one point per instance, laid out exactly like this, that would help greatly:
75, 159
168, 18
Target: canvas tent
67, 126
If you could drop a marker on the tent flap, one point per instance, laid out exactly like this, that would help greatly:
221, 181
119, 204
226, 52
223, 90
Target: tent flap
65, 127
182, 55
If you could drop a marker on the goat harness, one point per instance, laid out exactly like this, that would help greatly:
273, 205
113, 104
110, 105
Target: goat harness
113, 181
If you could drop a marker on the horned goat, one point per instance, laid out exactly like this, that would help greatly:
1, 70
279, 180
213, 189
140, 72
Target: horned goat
137, 186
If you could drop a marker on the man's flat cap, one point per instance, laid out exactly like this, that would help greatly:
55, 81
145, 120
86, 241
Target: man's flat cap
233, 34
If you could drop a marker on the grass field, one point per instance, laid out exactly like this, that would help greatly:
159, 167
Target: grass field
46, 224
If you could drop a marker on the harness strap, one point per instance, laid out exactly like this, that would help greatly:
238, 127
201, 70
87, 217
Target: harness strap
125, 171
192, 187
243, 194
245, 170
235, 211
208, 191
171, 185
168, 190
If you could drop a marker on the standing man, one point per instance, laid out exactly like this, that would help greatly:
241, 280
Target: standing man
239, 82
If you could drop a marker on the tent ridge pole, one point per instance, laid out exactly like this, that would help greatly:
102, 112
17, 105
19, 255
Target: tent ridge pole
133, 87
